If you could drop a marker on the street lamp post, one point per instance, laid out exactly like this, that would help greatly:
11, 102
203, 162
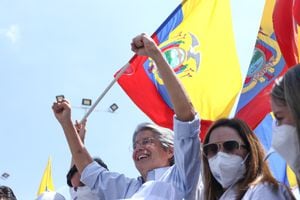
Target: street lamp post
113, 107
5, 175
86, 103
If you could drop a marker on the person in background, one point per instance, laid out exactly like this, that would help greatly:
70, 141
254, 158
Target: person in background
234, 166
285, 104
48, 195
78, 190
6, 193
169, 165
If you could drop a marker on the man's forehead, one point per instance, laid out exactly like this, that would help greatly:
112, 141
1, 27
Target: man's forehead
144, 134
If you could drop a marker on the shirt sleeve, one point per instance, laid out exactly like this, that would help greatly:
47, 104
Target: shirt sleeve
112, 185
187, 153
268, 191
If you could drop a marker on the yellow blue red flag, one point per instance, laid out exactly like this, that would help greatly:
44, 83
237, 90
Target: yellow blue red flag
266, 65
199, 43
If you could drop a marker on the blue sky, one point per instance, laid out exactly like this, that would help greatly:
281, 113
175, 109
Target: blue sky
73, 48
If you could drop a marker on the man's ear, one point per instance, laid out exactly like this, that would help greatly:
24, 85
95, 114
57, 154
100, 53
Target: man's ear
170, 152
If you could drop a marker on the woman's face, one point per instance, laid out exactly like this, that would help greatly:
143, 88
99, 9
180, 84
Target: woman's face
223, 134
281, 113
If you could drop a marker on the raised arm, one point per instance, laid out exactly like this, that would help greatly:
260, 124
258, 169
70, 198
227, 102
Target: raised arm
81, 130
183, 108
62, 112
186, 123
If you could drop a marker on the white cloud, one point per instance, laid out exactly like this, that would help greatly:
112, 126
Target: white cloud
12, 33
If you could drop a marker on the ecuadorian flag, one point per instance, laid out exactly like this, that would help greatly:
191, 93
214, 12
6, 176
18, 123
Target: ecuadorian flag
198, 41
266, 65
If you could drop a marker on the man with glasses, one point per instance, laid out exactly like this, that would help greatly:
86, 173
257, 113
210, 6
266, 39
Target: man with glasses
169, 164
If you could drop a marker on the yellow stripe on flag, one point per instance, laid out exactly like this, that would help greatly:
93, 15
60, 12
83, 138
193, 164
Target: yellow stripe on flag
266, 21
291, 177
47, 181
217, 82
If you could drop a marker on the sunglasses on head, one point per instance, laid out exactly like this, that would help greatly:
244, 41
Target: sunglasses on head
229, 146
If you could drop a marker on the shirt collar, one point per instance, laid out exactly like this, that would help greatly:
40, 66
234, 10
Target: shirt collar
156, 173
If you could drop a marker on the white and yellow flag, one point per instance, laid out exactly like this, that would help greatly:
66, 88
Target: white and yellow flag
47, 181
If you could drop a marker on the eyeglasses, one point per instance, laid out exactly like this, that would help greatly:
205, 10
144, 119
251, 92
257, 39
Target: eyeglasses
212, 149
144, 142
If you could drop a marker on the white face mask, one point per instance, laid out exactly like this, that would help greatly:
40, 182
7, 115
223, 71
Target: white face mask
83, 193
227, 168
285, 142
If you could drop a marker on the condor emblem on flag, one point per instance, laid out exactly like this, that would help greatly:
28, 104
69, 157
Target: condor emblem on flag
183, 54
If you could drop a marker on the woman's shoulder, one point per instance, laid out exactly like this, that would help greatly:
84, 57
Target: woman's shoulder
268, 191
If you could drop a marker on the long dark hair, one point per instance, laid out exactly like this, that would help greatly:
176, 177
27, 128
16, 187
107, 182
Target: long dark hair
257, 170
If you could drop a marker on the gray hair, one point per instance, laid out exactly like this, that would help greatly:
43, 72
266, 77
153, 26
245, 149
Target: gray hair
164, 135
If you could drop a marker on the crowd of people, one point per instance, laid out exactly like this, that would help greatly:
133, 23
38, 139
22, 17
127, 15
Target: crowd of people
228, 164
174, 165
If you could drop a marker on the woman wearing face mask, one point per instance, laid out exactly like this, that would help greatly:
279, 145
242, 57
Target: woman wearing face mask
233, 165
285, 103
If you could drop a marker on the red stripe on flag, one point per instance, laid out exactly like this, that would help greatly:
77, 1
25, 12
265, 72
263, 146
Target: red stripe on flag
255, 111
285, 30
296, 11
143, 93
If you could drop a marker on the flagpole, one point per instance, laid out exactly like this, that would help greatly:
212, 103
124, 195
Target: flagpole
123, 70
120, 73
